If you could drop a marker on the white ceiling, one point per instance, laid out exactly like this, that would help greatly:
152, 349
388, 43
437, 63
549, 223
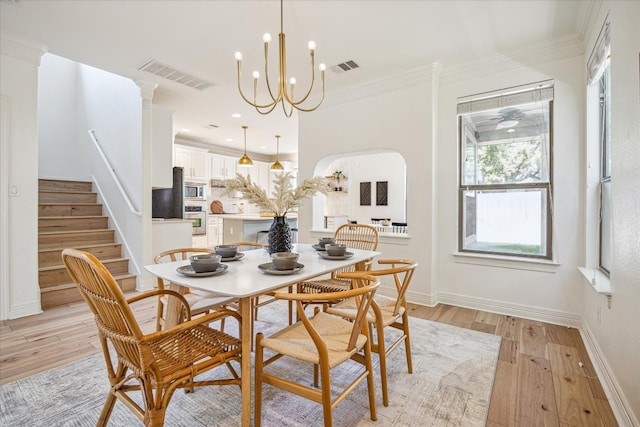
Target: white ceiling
201, 37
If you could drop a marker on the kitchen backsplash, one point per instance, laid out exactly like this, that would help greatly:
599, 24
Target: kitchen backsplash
230, 204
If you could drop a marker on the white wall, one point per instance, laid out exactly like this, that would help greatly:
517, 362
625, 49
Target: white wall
20, 291
613, 332
389, 167
57, 99
394, 119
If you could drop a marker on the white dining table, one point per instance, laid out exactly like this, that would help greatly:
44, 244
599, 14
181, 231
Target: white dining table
244, 280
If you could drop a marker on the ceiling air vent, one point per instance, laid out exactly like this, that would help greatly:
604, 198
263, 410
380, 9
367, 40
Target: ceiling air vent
170, 73
344, 66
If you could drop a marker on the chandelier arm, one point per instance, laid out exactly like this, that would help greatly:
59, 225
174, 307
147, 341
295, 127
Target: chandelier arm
290, 100
284, 109
270, 107
308, 110
253, 104
277, 98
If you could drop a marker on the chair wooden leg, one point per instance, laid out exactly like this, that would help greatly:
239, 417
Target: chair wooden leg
326, 395
370, 384
382, 355
258, 381
407, 340
315, 376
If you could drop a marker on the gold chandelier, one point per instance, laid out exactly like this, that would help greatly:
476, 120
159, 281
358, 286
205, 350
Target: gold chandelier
245, 161
277, 166
284, 94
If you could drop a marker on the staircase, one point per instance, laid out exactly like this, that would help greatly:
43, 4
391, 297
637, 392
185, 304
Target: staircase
70, 217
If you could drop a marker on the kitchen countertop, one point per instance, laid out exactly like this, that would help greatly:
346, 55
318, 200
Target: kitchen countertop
250, 217
170, 220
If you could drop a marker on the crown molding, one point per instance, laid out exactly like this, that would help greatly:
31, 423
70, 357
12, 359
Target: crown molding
407, 78
514, 58
22, 49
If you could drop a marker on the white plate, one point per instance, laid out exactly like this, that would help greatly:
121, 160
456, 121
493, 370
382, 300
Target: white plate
327, 256
318, 248
187, 270
268, 268
233, 258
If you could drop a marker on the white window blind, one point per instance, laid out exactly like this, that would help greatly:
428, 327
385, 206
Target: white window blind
600, 55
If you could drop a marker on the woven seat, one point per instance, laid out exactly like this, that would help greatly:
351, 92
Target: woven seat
200, 302
326, 341
160, 362
355, 236
386, 312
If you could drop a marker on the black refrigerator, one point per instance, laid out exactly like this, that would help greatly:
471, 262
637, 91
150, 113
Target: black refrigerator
169, 202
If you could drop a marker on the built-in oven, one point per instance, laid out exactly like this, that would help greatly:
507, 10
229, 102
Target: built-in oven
198, 217
194, 191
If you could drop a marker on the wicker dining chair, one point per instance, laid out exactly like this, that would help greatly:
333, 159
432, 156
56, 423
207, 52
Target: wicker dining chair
355, 236
386, 312
155, 364
326, 341
200, 302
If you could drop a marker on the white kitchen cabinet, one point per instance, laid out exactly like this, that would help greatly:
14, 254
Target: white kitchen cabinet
222, 167
194, 162
199, 241
263, 175
214, 231
161, 147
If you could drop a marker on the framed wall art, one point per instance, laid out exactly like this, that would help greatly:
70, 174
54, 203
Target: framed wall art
365, 194
381, 193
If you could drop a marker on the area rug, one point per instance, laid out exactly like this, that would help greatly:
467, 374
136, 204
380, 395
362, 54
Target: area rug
453, 373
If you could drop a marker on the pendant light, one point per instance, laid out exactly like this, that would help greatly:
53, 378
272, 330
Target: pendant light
245, 161
277, 166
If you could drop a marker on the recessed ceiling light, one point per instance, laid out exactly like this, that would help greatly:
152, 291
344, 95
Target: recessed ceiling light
236, 115
185, 130
229, 140
263, 147
511, 130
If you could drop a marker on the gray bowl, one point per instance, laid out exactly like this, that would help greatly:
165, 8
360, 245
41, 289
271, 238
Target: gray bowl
284, 260
323, 241
205, 262
227, 251
336, 249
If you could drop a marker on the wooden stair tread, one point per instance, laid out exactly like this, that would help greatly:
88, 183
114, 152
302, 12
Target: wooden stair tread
67, 203
74, 231
64, 286
95, 245
104, 261
66, 191
74, 217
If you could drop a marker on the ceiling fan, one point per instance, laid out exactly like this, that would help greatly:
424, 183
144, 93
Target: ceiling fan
506, 118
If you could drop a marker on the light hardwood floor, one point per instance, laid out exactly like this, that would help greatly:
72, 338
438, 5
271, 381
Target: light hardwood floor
539, 380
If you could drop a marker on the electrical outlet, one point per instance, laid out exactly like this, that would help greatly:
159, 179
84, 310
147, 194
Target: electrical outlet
599, 315
231, 230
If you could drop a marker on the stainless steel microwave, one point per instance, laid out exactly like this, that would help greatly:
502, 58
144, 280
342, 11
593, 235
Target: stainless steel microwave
194, 191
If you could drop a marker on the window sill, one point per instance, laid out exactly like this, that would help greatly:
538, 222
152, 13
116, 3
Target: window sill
597, 279
518, 263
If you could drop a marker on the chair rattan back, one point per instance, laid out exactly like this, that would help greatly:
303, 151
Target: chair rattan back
114, 318
356, 236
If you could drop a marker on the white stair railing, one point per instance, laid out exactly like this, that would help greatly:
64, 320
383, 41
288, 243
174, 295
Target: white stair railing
112, 171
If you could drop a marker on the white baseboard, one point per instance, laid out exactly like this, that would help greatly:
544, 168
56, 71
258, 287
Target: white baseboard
511, 309
25, 309
619, 404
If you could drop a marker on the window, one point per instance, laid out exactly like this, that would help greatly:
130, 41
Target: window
505, 174
601, 77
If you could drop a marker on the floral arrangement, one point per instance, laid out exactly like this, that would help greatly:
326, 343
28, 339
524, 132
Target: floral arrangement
285, 197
